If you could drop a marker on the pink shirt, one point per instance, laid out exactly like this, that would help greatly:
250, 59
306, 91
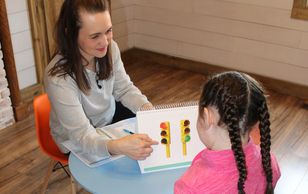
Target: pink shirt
214, 172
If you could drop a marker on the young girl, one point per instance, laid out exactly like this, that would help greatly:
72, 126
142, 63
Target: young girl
231, 105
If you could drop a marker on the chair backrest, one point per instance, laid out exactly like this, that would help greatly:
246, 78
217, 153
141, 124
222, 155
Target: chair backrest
41, 106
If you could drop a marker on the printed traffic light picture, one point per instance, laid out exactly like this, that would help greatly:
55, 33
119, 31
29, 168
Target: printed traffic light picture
165, 136
175, 130
185, 135
165, 133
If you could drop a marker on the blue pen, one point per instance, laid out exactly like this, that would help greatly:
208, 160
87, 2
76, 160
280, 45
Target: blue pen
128, 131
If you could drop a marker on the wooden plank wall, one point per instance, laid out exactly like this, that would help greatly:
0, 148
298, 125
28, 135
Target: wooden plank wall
248, 35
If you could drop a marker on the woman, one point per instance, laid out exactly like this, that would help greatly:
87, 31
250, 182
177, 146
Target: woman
86, 77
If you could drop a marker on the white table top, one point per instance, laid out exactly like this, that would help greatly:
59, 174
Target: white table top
123, 176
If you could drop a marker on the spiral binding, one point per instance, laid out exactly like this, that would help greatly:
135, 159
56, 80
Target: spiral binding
172, 105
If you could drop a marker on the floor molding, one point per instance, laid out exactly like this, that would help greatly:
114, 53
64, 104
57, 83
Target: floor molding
280, 86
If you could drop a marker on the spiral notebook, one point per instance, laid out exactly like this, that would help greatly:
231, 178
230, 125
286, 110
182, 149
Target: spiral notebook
174, 127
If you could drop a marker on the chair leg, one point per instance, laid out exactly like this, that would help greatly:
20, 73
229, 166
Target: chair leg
73, 185
63, 167
49, 171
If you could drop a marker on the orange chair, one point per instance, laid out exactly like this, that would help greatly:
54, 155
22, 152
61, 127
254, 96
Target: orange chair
41, 106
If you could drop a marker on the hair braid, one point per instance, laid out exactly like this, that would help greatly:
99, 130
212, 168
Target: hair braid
265, 145
231, 119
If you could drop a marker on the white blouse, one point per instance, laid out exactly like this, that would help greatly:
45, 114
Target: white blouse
74, 115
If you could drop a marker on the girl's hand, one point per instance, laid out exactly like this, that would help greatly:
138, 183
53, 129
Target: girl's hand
137, 146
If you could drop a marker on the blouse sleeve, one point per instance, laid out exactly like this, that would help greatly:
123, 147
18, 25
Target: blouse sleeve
64, 96
124, 89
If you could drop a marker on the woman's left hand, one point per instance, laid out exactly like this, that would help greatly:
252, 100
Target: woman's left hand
147, 106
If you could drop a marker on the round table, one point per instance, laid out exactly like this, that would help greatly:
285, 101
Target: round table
123, 176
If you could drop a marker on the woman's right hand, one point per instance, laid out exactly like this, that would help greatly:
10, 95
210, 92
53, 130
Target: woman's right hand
137, 146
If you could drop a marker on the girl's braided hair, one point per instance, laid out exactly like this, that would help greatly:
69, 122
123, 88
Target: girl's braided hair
241, 103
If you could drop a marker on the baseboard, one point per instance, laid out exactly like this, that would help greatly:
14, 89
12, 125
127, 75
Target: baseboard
279, 86
134, 55
28, 93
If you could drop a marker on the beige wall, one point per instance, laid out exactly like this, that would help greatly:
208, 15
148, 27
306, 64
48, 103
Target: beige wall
123, 23
256, 36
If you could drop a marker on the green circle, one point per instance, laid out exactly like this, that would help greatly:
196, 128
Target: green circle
187, 138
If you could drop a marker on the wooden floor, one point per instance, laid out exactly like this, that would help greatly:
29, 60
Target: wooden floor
23, 166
